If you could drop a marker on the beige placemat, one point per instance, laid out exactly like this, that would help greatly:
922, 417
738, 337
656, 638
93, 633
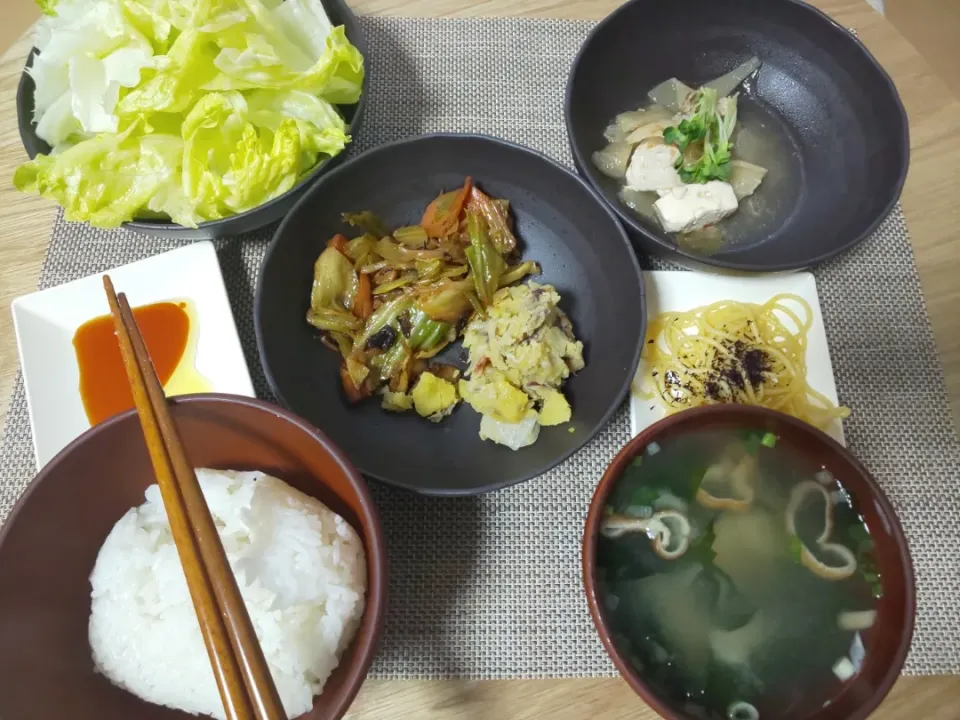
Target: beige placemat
490, 587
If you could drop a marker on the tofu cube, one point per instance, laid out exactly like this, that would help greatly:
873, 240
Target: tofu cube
690, 207
652, 168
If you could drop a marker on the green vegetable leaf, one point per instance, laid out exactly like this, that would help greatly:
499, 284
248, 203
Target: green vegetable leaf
673, 136
390, 363
702, 548
713, 123
386, 314
368, 222
47, 7
486, 264
690, 130
447, 300
263, 167
644, 495
796, 549
240, 95
105, 180
426, 334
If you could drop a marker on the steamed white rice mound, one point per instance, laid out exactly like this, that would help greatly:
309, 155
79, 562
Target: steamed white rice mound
300, 568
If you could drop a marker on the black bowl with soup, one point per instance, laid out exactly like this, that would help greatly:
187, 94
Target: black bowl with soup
814, 110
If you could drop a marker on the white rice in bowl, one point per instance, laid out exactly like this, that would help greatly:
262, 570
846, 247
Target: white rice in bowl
300, 568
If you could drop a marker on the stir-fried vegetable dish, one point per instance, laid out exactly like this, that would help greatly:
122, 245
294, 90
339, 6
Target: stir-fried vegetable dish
390, 300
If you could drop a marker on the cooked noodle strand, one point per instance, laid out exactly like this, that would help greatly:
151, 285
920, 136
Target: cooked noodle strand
697, 358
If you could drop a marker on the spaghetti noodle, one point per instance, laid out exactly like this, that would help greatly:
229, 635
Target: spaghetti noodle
732, 352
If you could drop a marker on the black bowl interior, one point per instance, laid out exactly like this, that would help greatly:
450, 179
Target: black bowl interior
560, 222
261, 216
839, 129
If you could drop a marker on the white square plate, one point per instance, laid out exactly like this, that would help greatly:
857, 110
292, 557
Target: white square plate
45, 323
681, 290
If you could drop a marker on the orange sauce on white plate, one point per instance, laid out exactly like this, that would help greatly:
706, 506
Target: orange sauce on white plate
169, 332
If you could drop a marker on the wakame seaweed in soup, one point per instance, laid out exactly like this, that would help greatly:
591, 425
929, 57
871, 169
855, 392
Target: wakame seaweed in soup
738, 580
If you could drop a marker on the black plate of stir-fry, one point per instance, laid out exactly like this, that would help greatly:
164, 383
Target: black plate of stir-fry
456, 312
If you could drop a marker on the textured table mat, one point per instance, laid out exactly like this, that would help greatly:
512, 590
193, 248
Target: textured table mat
490, 587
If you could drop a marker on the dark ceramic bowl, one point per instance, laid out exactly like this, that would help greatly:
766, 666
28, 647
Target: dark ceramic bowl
51, 539
831, 108
560, 222
886, 643
262, 215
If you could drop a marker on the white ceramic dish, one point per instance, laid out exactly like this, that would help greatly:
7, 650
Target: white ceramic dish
45, 323
681, 290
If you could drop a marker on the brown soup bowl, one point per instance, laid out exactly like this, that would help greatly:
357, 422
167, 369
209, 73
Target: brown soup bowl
50, 542
886, 642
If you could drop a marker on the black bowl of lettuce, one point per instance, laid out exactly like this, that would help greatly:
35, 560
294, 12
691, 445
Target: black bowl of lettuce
296, 30
311, 295
809, 157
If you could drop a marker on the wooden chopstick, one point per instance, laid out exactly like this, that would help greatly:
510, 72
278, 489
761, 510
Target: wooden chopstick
239, 667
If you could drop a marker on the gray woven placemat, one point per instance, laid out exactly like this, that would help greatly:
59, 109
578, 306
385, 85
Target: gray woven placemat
490, 587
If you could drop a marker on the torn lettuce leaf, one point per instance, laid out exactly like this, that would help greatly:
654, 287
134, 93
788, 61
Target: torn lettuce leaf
232, 103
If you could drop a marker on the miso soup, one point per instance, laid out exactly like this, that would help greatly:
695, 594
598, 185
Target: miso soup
737, 578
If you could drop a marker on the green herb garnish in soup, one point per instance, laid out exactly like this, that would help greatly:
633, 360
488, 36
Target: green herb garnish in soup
738, 579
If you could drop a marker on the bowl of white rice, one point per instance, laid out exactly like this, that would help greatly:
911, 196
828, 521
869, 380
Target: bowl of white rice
95, 617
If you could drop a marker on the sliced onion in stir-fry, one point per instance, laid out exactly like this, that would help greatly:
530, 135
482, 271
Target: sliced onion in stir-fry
393, 252
447, 300
368, 222
361, 246
402, 281
413, 236
335, 321
518, 272
335, 282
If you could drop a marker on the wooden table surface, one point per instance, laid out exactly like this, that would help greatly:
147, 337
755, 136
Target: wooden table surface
930, 202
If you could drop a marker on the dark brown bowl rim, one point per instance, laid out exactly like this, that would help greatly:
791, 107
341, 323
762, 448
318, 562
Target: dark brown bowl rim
171, 228
376, 599
644, 438
633, 223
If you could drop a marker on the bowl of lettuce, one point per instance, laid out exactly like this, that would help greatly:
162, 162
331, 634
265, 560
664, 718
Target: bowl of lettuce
187, 118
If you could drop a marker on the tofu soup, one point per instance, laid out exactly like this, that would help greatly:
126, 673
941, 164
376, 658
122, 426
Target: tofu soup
737, 576
712, 166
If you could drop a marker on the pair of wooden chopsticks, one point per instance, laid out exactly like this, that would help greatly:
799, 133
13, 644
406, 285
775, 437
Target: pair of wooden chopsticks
243, 678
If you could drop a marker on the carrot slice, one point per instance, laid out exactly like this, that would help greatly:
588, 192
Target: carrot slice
339, 242
354, 394
363, 305
442, 216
